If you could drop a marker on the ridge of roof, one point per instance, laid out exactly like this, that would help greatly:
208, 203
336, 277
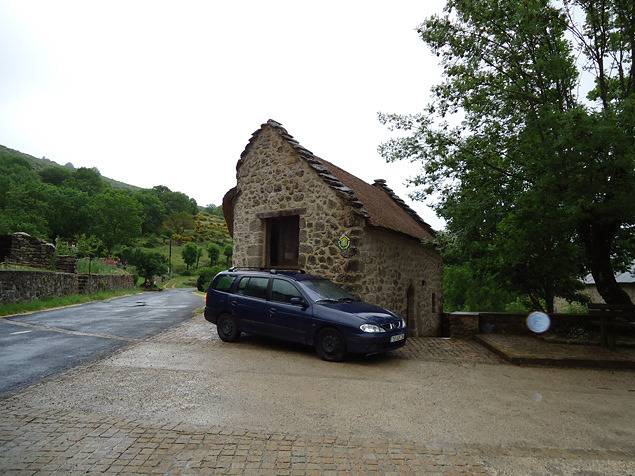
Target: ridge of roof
313, 161
377, 202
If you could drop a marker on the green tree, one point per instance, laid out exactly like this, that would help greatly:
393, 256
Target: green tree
55, 175
87, 180
153, 211
89, 247
174, 226
189, 253
67, 213
148, 264
175, 202
535, 182
213, 251
228, 252
116, 217
199, 253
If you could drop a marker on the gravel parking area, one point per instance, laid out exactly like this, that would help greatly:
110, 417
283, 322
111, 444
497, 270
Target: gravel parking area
183, 402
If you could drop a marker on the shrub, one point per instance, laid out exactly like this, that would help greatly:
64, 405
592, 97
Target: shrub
205, 277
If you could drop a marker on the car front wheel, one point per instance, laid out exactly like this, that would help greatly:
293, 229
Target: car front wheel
330, 345
227, 328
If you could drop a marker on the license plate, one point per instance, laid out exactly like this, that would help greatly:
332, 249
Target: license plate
397, 338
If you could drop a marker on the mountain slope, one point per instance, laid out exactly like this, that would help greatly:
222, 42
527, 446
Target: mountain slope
39, 164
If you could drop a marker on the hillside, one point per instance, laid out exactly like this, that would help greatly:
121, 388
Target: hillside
39, 164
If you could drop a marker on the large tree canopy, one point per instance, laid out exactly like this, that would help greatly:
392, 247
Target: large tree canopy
535, 180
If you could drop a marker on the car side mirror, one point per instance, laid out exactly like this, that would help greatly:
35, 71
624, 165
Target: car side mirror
296, 301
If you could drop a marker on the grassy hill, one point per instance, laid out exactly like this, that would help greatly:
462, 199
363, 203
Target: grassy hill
39, 164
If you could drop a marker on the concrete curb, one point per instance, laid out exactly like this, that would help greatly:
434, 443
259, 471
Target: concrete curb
558, 362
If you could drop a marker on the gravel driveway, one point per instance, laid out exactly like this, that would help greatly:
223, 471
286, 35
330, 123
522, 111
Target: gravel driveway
182, 401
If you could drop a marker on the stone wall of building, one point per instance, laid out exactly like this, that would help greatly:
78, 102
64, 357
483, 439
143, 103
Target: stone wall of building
390, 266
380, 265
18, 286
271, 178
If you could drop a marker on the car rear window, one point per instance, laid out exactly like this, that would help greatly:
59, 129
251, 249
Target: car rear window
223, 283
283, 291
254, 287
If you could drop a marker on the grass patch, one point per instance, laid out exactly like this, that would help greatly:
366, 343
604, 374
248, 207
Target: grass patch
98, 266
55, 301
180, 282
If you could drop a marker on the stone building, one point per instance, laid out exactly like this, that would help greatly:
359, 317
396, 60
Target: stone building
292, 209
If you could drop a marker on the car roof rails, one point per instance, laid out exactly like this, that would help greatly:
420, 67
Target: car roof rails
265, 269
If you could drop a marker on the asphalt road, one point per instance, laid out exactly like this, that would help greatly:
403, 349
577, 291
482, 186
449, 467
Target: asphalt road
38, 345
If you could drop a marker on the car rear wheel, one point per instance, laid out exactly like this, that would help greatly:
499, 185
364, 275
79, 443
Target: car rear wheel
227, 328
330, 345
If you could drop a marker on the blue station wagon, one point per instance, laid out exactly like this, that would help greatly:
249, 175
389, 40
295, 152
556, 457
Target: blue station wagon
298, 307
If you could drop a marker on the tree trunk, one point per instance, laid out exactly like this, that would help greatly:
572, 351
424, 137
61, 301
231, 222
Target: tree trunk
598, 239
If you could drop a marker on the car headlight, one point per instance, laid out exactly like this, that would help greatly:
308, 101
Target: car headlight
403, 323
371, 328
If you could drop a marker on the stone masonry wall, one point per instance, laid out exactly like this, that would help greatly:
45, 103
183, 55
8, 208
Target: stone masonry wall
272, 178
28, 250
389, 264
379, 266
96, 283
18, 286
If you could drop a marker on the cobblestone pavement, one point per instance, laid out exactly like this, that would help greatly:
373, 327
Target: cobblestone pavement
118, 415
433, 349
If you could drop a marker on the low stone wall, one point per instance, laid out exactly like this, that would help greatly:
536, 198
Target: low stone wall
96, 283
18, 286
472, 323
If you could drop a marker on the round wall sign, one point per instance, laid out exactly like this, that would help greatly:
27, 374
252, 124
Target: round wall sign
538, 322
344, 242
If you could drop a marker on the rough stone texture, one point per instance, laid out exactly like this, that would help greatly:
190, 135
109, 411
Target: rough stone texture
96, 283
380, 264
68, 264
18, 286
24, 249
27, 285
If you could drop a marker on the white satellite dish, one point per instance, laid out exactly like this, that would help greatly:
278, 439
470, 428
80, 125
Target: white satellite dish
538, 322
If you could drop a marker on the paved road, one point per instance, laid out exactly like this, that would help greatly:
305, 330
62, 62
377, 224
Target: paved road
44, 343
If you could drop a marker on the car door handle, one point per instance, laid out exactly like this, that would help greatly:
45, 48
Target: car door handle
234, 303
272, 311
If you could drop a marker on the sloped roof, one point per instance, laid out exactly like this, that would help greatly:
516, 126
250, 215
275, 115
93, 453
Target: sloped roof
377, 203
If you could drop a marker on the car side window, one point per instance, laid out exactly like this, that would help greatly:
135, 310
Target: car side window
283, 291
223, 283
254, 287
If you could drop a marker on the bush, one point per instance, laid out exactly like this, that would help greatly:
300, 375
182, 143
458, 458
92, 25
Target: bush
206, 275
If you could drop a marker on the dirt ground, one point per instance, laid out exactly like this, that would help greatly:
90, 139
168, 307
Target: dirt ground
435, 406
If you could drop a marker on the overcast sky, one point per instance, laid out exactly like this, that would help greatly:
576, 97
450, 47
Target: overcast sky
154, 92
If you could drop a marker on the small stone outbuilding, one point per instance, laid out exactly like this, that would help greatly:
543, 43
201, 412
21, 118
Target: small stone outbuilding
293, 209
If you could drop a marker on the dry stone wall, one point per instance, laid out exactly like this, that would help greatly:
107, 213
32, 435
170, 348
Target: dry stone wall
16, 286
24, 249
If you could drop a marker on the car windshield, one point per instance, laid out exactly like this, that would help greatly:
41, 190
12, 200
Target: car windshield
324, 290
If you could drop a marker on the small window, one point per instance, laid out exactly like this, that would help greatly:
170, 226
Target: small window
254, 287
223, 283
283, 291
434, 302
